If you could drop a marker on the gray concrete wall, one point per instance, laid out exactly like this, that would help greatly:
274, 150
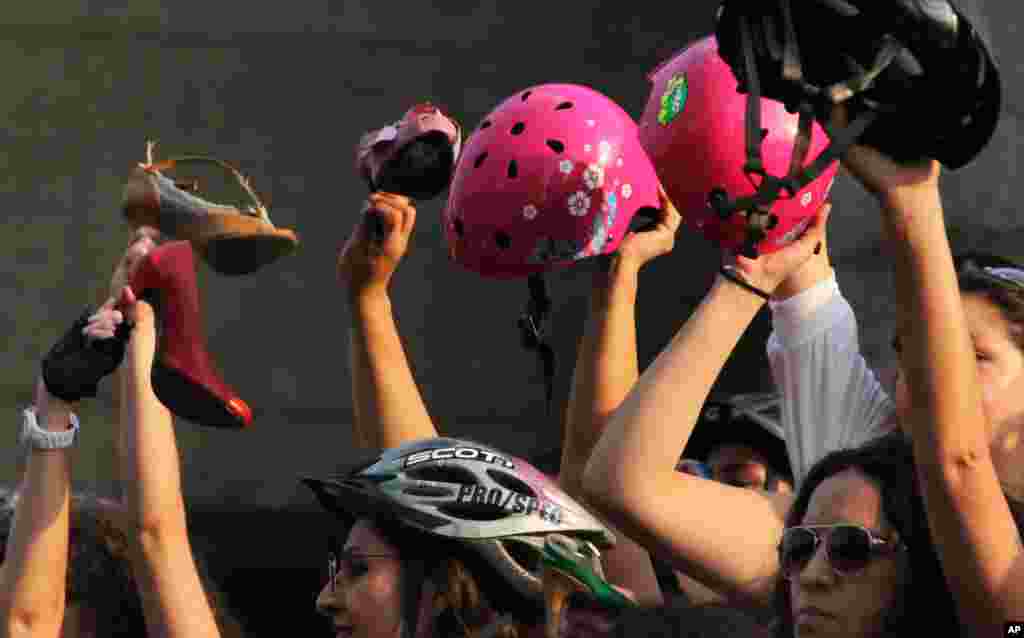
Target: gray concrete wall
284, 89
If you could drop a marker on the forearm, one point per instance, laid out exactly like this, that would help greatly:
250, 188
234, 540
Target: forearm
147, 451
606, 367
389, 410
33, 576
672, 391
975, 534
938, 353
173, 599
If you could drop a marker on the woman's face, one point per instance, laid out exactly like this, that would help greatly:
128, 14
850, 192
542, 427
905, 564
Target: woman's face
826, 604
366, 598
1000, 366
743, 466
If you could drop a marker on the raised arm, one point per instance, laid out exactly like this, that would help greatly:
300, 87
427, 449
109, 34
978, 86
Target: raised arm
830, 398
970, 519
389, 410
606, 369
33, 575
33, 578
173, 599
724, 536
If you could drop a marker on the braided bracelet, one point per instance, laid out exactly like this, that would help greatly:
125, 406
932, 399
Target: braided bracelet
729, 272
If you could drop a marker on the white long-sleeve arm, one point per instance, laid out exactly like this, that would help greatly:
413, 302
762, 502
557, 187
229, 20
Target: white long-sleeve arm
831, 399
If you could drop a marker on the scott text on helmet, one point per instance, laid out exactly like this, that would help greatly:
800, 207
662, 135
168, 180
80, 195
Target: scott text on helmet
461, 453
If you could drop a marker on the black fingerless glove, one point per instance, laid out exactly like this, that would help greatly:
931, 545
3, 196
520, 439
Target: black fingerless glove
72, 369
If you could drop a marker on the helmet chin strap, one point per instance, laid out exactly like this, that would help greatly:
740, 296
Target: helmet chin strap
532, 328
769, 188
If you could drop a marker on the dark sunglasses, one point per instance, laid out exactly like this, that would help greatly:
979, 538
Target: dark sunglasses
849, 548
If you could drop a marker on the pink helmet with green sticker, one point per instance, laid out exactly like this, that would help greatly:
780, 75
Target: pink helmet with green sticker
554, 174
693, 128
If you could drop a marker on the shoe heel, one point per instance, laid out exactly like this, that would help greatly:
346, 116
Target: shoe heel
184, 376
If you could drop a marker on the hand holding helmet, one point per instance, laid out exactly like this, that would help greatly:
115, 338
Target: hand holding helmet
881, 175
640, 247
768, 271
366, 264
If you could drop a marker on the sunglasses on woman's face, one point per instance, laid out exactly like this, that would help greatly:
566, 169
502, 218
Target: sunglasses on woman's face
849, 548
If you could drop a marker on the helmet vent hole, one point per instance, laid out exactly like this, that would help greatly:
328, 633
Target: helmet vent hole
764, 133
773, 221
460, 228
474, 511
563, 106
485, 124
429, 491
510, 482
503, 240
480, 159
443, 474
526, 95
518, 128
513, 169
528, 557
556, 146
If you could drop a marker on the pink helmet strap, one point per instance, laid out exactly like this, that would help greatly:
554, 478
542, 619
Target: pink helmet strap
532, 325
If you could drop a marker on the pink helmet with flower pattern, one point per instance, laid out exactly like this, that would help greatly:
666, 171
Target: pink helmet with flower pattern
554, 174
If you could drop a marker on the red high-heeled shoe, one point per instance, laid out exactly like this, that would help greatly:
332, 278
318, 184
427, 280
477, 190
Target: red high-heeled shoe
184, 376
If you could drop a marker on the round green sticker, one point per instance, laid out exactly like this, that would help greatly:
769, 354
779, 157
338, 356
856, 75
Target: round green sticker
673, 100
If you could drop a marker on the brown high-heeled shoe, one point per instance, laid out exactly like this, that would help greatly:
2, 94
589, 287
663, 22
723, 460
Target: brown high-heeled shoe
231, 241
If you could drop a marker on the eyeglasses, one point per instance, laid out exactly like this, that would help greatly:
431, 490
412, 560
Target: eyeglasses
349, 563
694, 468
849, 548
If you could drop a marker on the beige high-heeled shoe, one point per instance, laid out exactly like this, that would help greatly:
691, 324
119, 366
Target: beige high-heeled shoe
230, 241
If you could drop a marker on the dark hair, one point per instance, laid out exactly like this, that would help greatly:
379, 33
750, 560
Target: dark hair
1009, 298
471, 594
923, 592
683, 620
721, 423
99, 572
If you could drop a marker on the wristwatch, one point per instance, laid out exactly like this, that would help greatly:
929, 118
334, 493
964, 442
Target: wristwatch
41, 439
